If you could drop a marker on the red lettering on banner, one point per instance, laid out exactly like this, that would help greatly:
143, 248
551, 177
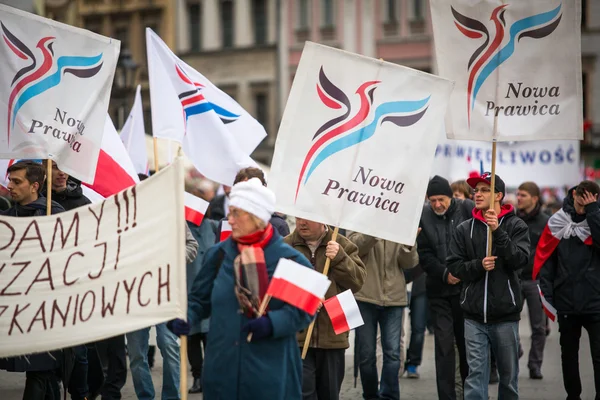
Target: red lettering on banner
14, 321
75, 309
140, 289
167, 283
91, 309
3, 292
77, 253
129, 289
98, 217
3, 309
108, 306
56, 310
42, 317
48, 277
63, 238
103, 262
12, 234
38, 237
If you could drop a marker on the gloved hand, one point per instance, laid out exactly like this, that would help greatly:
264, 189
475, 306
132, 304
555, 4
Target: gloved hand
179, 327
261, 328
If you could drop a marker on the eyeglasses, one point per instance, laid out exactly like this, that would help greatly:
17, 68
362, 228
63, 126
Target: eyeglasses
482, 190
235, 214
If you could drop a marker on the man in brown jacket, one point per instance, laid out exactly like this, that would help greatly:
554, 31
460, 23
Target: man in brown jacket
381, 301
323, 367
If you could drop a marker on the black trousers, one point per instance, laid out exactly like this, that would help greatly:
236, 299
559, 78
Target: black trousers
41, 385
323, 374
195, 350
448, 327
112, 355
570, 334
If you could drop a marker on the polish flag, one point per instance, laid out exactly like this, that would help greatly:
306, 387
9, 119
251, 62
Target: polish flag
225, 230
343, 312
560, 226
115, 171
298, 285
195, 208
133, 135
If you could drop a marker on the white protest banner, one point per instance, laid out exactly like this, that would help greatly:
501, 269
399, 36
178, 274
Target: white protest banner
549, 163
517, 63
356, 143
215, 132
96, 271
55, 83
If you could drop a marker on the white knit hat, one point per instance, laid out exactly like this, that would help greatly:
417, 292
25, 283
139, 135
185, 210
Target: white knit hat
251, 196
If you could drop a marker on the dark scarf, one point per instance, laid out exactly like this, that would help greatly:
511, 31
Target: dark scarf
251, 276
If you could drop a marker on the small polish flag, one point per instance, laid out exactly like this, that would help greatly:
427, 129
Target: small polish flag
298, 285
195, 208
343, 312
225, 230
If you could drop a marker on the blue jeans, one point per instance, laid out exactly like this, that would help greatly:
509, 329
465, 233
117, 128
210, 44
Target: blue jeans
137, 346
390, 323
503, 338
418, 324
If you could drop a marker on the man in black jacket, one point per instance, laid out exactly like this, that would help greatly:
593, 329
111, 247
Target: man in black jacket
438, 222
65, 189
568, 261
529, 210
24, 181
491, 293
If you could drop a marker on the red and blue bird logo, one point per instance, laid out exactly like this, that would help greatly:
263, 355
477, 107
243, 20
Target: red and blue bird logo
491, 54
353, 127
43, 72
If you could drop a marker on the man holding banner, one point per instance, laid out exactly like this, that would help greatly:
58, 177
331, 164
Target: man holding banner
491, 293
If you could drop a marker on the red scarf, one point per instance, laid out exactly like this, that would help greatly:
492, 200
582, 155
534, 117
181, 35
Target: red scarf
252, 278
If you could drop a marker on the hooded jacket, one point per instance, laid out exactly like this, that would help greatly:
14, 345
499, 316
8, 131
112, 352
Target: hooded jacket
34, 209
70, 198
434, 242
490, 296
536, 220
570, 278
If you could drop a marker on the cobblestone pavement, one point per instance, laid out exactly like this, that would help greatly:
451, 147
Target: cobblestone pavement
550, 388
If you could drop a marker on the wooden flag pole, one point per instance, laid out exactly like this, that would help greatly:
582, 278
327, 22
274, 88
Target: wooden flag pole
261, 311
183, 367
155, 142
493, 192
48, 187
312, 325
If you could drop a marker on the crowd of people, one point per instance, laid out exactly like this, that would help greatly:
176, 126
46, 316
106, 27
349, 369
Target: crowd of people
469, 295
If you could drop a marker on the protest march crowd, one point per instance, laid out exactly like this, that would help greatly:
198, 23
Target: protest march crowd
96, 251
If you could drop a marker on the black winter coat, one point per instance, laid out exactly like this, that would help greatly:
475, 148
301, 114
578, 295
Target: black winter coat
35, 208
70, 198
434, 241
216, 208
536, 222
570, 278
490, 296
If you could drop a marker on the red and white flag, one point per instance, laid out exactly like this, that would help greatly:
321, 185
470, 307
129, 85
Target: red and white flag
133, 135
225, 230
115, 171
298, 285
195, 208
343, 312
560, 226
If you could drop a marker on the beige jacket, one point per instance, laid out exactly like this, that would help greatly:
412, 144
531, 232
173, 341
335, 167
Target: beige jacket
385, 262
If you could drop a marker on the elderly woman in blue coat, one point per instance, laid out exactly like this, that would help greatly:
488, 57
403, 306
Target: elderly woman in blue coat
229, 289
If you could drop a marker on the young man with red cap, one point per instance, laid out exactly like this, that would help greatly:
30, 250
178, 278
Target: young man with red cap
491, 293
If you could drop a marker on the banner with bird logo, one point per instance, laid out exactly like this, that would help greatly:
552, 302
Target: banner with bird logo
55, 83
357, 141
517, 68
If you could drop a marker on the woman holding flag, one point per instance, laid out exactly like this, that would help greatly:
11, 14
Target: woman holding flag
232, 285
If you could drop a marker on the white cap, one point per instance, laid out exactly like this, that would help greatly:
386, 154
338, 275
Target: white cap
254, 198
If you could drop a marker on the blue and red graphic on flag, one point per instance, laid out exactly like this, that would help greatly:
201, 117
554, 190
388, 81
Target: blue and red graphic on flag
489, 56
345, 131
34, 79
194, 102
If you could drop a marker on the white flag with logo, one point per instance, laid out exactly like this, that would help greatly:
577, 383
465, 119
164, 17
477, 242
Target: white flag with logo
517, 68
133, 135
215, 132
357, 142
55, 83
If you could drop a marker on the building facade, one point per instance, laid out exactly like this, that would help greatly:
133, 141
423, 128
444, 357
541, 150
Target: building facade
590, 63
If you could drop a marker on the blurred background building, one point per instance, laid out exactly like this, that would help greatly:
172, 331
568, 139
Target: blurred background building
251, 48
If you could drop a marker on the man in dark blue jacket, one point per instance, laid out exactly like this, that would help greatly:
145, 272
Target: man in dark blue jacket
568, 261
491, 292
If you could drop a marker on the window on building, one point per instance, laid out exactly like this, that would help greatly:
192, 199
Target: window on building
227, 23
261, 108
418, 9
303, 14
584, 10
259, 11
391, 11
328, 12
121, 33
194, 14
93, 24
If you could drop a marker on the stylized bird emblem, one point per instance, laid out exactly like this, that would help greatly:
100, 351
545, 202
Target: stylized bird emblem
194, 102
340, 132
489, 56
33, 80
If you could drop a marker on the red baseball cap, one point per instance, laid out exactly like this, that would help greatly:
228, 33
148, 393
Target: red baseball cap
486, 177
